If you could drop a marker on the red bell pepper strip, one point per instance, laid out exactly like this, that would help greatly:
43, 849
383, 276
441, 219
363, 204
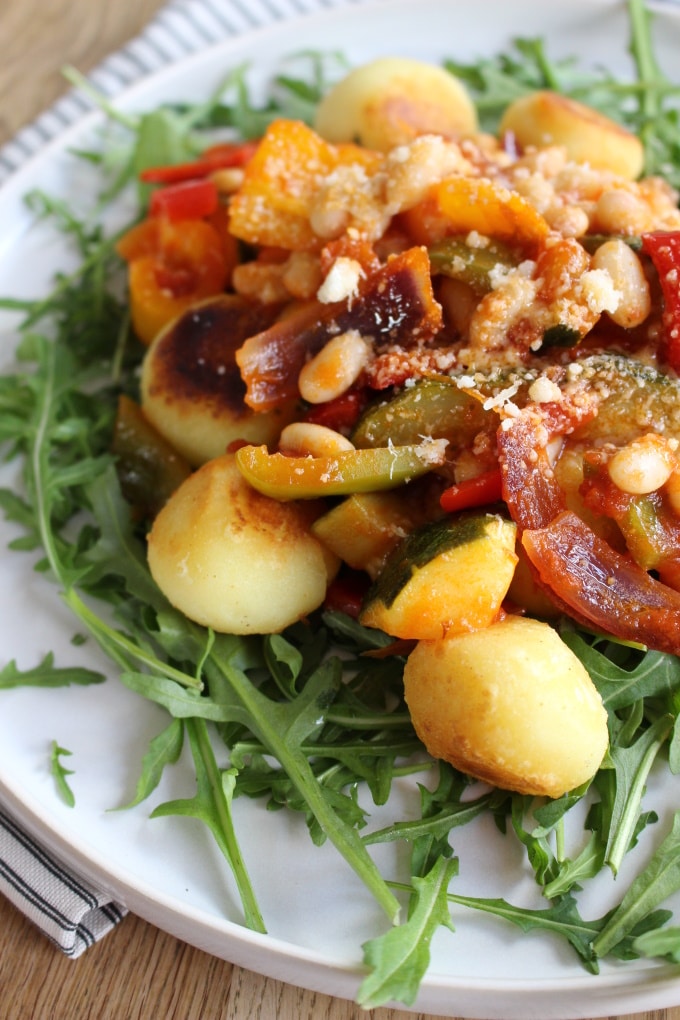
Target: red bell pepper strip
190, 200
603, 586
346, 593
529, 486
480, 491
217, 157
341, 413
663, 248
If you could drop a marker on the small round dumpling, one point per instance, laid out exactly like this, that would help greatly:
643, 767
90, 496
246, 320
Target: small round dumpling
192, 391
511, 705
546, 118
392, 100
235, 560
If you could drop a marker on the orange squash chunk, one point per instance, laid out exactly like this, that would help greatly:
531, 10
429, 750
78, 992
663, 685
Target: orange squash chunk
459, 205
273, 204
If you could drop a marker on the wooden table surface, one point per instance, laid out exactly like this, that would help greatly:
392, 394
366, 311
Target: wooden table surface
137, 972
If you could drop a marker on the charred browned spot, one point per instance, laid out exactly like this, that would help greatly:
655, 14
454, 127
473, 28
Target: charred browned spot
251, 511
195, 358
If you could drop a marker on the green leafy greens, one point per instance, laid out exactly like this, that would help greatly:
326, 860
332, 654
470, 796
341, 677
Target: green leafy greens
308, 718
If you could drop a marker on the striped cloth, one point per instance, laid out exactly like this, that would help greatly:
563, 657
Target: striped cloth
180, 28
72, 912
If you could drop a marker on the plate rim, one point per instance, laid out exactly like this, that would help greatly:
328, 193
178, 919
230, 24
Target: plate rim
32, 814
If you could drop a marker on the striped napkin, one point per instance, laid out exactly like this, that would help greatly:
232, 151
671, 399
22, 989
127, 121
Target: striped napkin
71, 911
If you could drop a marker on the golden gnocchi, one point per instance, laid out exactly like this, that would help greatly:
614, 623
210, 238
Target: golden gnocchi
509, 704
234, 560
392, 100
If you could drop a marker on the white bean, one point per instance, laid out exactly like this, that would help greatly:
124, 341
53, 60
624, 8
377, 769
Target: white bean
624, 268
333, 370
643, 465
302, 438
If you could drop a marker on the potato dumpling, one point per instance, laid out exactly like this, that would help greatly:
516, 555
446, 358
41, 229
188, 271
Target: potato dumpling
192, 391
511, 705
545, 118
235, 560
391, 100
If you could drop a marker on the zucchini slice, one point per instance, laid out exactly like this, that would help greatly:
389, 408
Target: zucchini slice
448, 577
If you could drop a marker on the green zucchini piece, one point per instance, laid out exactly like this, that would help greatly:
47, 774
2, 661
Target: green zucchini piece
432, 408
447, 577
455, 257
281, 477
637, 398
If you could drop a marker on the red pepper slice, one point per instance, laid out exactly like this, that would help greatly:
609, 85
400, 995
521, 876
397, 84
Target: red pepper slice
346, 593
603, 586
217, 157
341, 413
480, 491
189, 200
663, 248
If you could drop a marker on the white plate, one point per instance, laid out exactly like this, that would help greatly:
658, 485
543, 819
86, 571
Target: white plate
167, 870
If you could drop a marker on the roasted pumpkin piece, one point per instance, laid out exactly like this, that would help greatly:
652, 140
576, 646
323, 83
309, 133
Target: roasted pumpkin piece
171, 266
274, 203
363, 529
448, 577
459, 205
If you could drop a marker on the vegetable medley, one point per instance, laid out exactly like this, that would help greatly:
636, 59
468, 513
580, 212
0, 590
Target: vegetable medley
429, 372
401, 384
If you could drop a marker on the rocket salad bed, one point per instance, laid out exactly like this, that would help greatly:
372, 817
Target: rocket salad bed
284, 717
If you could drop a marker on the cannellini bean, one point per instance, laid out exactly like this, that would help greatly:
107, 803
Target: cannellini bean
228, 179
392, 100
643, 465
235, 560
302, 438
511, 705
618, 211
333, 370
545, 118
621, 263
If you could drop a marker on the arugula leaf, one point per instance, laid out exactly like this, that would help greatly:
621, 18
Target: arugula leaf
399, 958
60, 772
212, 806
658, 880
562, 919
632, 765
164, 749
46, 674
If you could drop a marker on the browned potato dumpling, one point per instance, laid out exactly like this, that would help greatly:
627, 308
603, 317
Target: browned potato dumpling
192, 391
546, 118
511, 705
235, 560
391, 100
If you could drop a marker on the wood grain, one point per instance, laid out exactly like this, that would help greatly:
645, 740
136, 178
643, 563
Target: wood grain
136, 972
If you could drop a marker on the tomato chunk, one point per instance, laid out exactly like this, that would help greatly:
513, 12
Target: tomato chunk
663, 248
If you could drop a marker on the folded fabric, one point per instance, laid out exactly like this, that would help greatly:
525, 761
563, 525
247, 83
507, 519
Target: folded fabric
72, 912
